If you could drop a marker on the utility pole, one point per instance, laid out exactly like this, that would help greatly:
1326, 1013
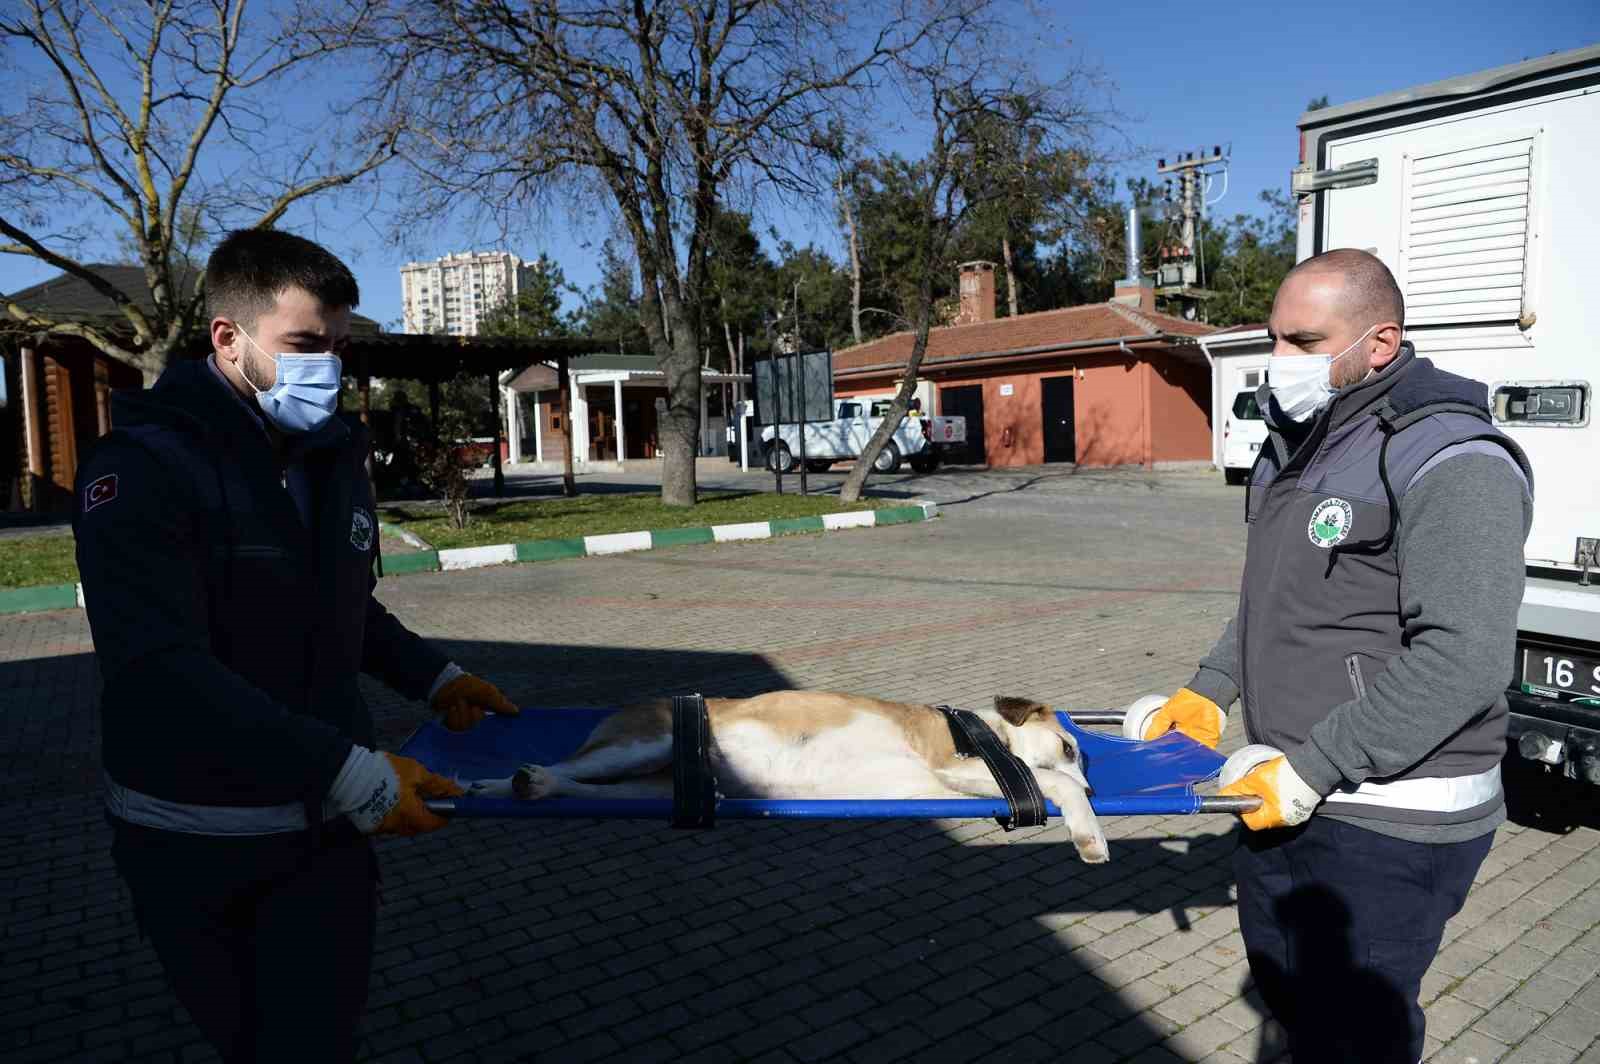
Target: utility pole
797, 366
1179, 271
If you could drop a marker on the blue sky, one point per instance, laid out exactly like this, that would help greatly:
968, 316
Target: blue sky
1186, 75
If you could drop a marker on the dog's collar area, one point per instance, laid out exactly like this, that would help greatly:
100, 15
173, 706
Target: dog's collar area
974, 738
694, 787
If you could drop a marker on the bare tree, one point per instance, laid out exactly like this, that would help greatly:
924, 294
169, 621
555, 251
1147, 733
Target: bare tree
977, 107
847, 210
652, 109
162, 119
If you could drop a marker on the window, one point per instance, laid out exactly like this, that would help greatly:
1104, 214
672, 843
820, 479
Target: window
1252, 378
1464, 244
1245, 408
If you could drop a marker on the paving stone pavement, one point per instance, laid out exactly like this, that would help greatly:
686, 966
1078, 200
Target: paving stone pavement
787, 942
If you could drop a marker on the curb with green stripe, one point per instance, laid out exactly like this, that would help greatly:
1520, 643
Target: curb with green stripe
540, 550
68, 596
44, 597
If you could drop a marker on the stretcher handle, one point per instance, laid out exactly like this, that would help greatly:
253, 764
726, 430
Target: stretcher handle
1230, 803
1096, 716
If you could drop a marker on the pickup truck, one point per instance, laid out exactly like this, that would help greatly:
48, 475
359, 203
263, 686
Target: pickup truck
923, 441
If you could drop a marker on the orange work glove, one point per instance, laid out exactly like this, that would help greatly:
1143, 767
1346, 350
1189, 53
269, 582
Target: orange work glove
408, 815
466, 700
1286, 800
383, 794
1193, 714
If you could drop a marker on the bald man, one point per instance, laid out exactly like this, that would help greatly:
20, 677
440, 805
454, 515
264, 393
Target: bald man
1374, 640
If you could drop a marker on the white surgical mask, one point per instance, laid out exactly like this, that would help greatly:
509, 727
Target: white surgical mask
1300, 383
305, 390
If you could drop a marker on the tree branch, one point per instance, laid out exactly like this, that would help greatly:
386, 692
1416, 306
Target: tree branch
130, 310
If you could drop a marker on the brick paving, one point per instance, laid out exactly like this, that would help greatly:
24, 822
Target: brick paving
787, 942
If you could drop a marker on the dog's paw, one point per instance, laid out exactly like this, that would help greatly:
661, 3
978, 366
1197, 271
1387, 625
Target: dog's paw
497, 788
534, 781
1092, 847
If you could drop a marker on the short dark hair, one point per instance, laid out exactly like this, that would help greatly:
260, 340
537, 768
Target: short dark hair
1374, 294
251, 266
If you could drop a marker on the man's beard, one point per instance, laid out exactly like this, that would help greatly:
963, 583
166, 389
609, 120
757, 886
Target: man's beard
260, 372
1351, 369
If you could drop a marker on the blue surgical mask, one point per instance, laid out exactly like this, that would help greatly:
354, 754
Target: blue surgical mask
305, 392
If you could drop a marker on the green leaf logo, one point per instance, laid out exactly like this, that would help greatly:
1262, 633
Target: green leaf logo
1330, 523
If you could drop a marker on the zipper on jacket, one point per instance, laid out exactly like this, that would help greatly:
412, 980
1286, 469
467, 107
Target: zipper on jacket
1352, 667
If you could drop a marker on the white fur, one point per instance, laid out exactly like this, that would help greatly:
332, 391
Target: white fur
753, 761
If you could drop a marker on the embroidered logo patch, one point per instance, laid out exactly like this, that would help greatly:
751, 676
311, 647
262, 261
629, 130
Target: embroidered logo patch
1330, 523
361, 529
101, 491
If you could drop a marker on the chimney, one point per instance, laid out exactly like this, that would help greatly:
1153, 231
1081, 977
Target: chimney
1139, 294
1134, 290
977, 293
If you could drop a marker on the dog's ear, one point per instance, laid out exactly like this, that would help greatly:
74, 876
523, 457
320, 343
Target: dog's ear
1018, 711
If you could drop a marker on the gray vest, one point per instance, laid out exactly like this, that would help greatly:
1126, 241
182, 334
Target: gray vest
1319, 612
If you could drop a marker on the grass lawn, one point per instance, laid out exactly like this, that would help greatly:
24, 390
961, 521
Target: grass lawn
31, 561
592, 515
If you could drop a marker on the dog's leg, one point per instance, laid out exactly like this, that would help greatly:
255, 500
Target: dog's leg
1073, 800
540, 781
637, 756
971, 776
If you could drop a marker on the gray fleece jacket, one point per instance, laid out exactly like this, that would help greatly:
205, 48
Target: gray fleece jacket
1377, 623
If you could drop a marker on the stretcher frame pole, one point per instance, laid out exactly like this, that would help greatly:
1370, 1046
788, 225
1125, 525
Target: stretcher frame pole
820, 809
1096, 716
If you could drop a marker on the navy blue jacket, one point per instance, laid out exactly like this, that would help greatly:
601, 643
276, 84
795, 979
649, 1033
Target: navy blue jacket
229, 631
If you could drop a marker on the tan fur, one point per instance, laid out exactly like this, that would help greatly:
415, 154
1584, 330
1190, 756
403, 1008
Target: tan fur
798, 715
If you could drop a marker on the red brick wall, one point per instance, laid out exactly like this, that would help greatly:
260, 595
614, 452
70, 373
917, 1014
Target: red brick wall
1180, 411
1112, 396
1109, 410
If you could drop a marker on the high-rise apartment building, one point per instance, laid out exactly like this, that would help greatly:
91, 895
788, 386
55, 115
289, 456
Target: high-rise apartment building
454, 293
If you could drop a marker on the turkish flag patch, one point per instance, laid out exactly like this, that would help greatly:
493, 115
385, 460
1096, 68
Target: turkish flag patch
101, 491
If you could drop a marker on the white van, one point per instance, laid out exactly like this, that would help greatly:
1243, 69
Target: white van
1243, 432
1477, 192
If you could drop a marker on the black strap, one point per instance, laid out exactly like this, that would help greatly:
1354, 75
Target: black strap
974, 738
694, 789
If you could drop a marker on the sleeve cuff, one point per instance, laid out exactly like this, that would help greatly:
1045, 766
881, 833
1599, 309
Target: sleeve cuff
1215, 686
1313, 766
449, 672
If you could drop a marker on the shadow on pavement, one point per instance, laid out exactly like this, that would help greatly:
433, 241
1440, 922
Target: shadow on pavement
585, 940
1539, 798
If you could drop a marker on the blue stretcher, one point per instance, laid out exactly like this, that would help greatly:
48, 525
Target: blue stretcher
1126, 778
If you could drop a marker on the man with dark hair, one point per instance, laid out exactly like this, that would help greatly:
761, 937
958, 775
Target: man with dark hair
226, 540
1374, 640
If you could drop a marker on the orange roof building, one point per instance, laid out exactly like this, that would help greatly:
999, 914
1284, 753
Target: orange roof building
1103, 384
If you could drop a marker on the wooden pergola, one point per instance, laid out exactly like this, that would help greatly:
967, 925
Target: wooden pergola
60, 385
433, 359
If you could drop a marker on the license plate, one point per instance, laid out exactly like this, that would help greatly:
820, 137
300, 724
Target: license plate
1254, 447
1552, 672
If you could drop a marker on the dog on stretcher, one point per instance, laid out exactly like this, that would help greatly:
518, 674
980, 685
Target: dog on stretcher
812, 744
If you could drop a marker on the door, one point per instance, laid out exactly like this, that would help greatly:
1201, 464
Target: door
1060, 435
967, 402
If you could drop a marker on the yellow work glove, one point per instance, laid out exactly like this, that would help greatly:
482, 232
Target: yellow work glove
383, 794
465, 700
1193, 714
1285, 798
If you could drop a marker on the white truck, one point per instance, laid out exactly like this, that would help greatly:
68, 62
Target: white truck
923, 441
1478, 193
